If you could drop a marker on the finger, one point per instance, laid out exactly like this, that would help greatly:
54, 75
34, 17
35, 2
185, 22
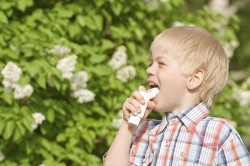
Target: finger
131, 106
150, 106
142, 88
137, 95
126, 115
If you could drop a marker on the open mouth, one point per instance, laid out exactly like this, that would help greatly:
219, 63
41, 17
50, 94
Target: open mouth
153, 85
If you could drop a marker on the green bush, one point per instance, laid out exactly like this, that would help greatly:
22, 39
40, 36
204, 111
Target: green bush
61, 92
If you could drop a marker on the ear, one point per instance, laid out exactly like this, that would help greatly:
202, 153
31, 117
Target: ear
195, 79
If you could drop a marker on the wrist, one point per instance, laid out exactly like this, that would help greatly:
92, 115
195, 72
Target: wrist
126, 125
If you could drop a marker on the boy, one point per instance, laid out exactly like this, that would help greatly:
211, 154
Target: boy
190, 68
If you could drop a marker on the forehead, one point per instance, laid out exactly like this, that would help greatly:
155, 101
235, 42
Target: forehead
157, 57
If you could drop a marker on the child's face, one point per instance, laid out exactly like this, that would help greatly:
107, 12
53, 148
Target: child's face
164, 72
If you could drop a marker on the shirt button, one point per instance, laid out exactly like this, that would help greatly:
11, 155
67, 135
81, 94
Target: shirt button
182, 154
166, 143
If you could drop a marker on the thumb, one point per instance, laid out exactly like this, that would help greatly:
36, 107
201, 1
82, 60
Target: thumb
142, 88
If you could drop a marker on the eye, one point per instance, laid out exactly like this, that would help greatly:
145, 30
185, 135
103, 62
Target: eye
162, 64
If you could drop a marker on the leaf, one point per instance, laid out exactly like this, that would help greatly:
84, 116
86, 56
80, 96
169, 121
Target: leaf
117, 8
101, 70
98, 22
46, 144
20, 127
41, 80
8, 97
90, 23
33, 68
64, 12
3, 18
23, 4
74, 158
51, 115
2, 126
107, 44
74, 30
16, 134
61, 137
97, 58
9, 130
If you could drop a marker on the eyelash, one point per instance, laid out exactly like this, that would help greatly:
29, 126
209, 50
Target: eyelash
161, 63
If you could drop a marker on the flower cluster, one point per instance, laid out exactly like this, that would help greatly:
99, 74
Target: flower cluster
60, 50
118, 62
242, 95
116, 122
244, 98
83, 95
11, 74
67, 66
78, 81
119, 58
78, 86
23, 91
39, 118
126, 73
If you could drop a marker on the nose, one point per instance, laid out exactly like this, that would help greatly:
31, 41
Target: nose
150, 70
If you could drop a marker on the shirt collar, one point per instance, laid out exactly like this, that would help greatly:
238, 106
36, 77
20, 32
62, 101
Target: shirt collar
189, 117
193, 115
157, 129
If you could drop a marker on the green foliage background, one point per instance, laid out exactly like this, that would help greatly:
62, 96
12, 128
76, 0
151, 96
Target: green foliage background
74, 133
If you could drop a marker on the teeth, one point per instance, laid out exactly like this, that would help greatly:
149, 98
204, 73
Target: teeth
152, 84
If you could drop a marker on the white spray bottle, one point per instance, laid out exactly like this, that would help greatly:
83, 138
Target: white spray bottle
151, 93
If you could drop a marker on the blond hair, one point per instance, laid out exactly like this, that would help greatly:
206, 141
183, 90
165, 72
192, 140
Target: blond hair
195, 48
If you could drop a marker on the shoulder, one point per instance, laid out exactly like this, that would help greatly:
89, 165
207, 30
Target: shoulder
220, 124
219, 129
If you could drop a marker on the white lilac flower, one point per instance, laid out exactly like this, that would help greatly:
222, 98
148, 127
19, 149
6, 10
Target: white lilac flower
116, 122
60, 50
67, 66
177, 24
83, 95
119, 58
244, 98
2, 156
79, 80
230, 47
219, 6
11, 74
23, 91
8, 85
39, 118
126, 73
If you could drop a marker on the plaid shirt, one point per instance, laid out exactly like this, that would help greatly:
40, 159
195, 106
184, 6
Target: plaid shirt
190, 138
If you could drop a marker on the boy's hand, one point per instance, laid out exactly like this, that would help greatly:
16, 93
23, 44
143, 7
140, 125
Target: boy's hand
132, 104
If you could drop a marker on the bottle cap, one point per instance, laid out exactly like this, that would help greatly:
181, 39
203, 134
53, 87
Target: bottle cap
152, 92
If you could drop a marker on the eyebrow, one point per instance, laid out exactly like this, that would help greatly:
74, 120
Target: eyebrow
159, 57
